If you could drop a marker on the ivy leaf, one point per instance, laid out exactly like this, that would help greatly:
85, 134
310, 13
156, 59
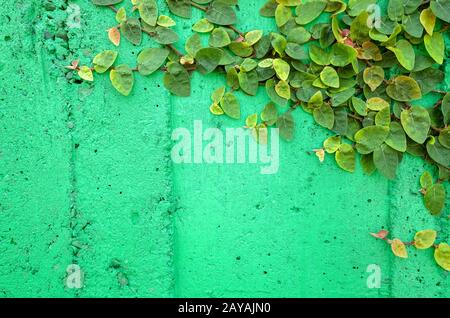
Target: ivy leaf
103, 61
332, 144
165, 21
122, 79
342, 55
282, 69
367, 164
435, 199
309, 11
286, 125
270, 114
424, 239
399, 248
148, 10
404, 89
442, 256
426, 180
282, 15
330, 77
428, 20
151, 59
370, 138
193, 44
163, 35
208, 59
114, 36
177, 80
324, 116
203, 26
219, 38
181, 8
441, 9
131, 30
221, 14
248, 81
106, 2
386, 161
359, 105
438, 153
345, 157
283, 90
416, 122
446, 108
218, 94
397, 137
230, 106
373, 76
396, 10
86, 73
404, 52
435, 46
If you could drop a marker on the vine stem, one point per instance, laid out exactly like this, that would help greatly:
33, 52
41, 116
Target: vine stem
113, 8
196, 5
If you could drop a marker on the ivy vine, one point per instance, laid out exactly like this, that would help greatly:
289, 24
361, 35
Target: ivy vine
358, 74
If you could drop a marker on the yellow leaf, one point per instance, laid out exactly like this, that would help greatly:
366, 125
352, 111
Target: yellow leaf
216, 109
428, 20
442, 256
320, 153
114, 36
86, 73
399, 249
424, 239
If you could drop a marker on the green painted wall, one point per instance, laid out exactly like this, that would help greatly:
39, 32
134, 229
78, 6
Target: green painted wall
86, 178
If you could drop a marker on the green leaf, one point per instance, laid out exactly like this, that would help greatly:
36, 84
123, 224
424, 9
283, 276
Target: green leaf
309, 11
203, 26
435, 46
395, 10
444, 138
371, 138
324, 116
298, 35
438, 153
397, 137
193, 44
220, 14
286, 125
386, 161
441, 9
428, 20
248, 81
318, 55
345, 157
283, 89
165, 36
446, 108
208, 59
404, 52
148, 9
131, 30
122, 79
383, 117
342, 55
330, 77
219, 38
270, 114
181, 8
218, 94
151, 59
374, 77
359, 105
435, 199
177, 80
106, 2
230, 106
404, 89
165, 21
273, 95
426, 180
282, 69
424, 239
359, 28
442, 256
416, 122
282, 15
86, 73
121, 15
367, 164
103, 61
253, 37
332, 144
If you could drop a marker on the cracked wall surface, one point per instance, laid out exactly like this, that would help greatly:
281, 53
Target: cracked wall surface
86, 179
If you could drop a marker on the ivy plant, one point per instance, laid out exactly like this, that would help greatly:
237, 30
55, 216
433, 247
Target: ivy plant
358, 75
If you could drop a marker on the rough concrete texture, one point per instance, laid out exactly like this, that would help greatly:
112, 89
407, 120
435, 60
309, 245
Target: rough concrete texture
86, 178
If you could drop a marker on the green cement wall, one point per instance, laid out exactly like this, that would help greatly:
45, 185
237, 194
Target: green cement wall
86, 178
